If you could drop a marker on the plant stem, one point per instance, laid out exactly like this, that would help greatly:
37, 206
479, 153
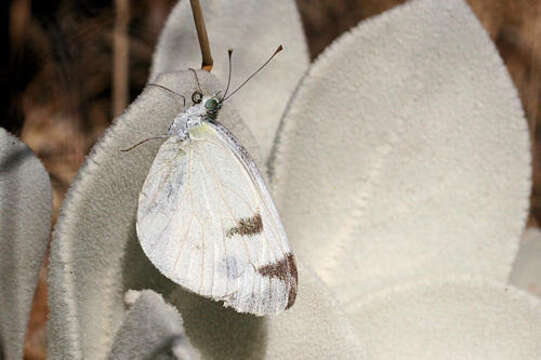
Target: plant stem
202, 35
534, 88
120, 56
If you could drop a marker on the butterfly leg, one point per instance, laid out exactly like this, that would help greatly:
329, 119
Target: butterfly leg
144, 141
196, 79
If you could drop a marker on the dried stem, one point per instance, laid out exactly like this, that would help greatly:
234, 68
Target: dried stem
202, 35
534, 87
19, 19
120, 56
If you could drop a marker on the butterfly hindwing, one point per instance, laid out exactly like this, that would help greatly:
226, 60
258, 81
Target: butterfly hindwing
207, 221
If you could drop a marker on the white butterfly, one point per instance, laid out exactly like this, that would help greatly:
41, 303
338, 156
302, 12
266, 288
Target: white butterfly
207, 221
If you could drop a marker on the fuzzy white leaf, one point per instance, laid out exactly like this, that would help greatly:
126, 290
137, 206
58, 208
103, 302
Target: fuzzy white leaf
253, 29
25, 221
152, 329
314, 328
452, 318
526, 272
405, 151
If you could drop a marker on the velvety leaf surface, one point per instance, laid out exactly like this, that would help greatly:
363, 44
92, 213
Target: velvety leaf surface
314, 328
526, 272
452, 318
25, 221
405, 152
151, 329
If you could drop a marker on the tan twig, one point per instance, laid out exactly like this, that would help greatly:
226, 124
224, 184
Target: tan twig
202, 35
120, 56
534, 88
20, 12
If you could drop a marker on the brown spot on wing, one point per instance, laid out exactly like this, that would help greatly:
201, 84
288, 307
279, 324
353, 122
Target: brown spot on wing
285, 270
247, 226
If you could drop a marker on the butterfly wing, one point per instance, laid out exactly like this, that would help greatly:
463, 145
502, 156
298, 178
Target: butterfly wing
207, 221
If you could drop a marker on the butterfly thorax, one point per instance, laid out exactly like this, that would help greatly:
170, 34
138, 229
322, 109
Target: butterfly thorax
206, 110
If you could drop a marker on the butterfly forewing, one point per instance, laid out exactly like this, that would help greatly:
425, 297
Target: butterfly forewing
207, 221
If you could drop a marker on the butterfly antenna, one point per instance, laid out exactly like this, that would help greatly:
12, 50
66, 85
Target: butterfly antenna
229, 53
280, 48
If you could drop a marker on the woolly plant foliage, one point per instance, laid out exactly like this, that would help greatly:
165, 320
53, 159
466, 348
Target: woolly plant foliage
253, 29
405, 150
152, 329
314, 328
96, 257
526, 272
25, 221
450, 318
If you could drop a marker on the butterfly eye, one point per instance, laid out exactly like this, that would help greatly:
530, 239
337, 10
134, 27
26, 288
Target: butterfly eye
197, 97
211, 104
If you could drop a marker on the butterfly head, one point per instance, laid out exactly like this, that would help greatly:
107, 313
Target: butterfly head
208, 105
213, 104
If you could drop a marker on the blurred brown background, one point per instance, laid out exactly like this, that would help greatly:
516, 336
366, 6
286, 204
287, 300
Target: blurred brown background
63, 89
